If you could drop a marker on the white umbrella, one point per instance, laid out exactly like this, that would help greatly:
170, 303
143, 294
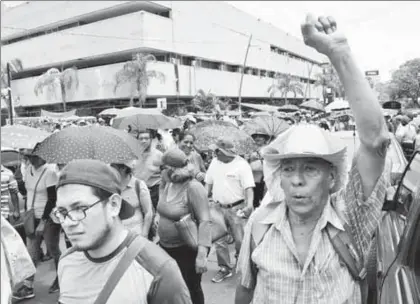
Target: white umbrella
339, 104
111, 111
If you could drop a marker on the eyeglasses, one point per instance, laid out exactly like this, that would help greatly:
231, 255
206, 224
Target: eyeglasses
76, 215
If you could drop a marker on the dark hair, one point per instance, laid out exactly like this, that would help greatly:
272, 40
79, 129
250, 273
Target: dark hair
127, 169
183, 134
100, 193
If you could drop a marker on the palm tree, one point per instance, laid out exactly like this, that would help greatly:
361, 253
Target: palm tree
135, 72
285, 83
329, 79
66, 80
205, 102
15, 66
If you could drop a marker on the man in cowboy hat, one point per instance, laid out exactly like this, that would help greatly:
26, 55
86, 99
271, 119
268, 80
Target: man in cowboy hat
288, 253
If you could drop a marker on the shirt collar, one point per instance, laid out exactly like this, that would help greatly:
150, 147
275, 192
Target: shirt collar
278, 216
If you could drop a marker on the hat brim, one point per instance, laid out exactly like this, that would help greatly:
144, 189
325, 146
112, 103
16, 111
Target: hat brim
126, 210
334, 158
214, 147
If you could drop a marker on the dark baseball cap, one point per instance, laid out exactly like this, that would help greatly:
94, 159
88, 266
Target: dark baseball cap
95, 173
226, 146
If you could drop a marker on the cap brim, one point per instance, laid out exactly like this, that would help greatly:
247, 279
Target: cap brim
126, 210
213, 147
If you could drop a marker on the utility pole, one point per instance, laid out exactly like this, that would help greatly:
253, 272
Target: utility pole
242, 77
9, 77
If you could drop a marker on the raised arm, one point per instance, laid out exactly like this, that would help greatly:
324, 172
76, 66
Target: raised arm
322, 35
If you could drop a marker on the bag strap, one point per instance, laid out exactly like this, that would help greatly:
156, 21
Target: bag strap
36, 187
344, 245
134, 248
137, 186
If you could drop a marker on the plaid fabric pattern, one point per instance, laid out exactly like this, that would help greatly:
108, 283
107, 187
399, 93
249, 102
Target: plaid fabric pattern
8, 185
323, 278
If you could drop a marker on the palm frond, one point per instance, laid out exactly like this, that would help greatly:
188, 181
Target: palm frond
156, 74
70, 78
49, 79
16, 65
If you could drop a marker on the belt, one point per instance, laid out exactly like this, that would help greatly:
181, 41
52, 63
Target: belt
227, 206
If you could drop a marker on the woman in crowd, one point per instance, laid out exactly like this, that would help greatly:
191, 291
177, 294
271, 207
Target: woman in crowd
136, 193
180, 196
186, 144
256, 161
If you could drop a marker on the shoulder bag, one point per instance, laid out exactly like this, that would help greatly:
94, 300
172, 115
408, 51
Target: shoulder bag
29, 217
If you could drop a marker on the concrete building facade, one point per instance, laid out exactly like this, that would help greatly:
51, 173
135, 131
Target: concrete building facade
198, 45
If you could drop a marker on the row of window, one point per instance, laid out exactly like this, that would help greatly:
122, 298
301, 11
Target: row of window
206, 64
280, 51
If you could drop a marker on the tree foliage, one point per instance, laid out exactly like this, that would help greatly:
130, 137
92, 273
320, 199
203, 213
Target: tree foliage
15, 66
136, 74
405, 82
329, 79
285, 83
66, 80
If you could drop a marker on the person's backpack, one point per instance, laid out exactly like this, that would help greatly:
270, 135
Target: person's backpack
343, 243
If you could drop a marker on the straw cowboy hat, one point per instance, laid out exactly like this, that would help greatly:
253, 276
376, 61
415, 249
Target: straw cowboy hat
304, 141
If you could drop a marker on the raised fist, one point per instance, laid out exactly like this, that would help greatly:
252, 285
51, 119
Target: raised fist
322, 34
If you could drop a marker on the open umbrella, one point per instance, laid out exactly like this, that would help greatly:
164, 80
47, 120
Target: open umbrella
210, 131
20, 136
269, 125
89, 142
141, 118
110, 112
337, 105
313, 105
289, 108
10, 157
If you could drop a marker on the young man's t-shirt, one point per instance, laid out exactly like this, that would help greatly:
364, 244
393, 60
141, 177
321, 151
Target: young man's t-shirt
229, 180
152, 278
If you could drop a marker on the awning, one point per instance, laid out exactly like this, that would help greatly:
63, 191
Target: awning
58, 115
261, 107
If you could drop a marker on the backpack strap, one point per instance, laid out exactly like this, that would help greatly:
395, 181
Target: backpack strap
134, 248
345, 246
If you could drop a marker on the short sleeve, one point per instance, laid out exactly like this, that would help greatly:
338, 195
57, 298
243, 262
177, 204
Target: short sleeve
210, 172
169, 287
51, 177
247, 178
245, 264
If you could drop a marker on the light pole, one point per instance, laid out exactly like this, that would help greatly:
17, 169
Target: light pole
242, 77
9, 93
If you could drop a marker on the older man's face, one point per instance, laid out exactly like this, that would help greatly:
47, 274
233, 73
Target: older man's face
306, 183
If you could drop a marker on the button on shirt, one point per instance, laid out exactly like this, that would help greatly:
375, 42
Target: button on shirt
229, 180
322, 278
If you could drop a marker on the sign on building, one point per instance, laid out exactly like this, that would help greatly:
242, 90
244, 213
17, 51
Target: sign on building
161, 103
372, 73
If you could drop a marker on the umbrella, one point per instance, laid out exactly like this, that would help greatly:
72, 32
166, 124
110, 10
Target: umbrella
140, 119
289, 108
210, 131
269, 125
20, 136
89, 142
339, 104
313, 105
10, 157
110, 112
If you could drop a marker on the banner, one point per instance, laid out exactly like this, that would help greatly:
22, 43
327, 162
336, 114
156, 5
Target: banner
58, 115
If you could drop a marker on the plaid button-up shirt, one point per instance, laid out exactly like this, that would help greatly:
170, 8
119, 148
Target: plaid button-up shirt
323, 278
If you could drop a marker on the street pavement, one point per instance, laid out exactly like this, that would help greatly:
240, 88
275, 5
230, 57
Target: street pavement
223, 292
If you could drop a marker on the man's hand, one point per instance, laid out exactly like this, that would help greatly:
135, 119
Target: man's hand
201, 262
322, 34
245, 212
16, 214
40, 228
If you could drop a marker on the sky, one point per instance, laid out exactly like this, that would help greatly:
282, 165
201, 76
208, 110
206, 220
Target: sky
382, 34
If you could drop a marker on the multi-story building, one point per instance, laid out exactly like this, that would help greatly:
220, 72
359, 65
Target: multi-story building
198, 45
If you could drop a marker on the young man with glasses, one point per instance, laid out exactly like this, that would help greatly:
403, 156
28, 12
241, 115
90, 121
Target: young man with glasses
90, 210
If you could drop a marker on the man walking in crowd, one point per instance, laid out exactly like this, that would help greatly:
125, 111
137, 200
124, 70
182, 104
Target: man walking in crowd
40, 181
9, 195
287, 254
90, 210
230, 182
